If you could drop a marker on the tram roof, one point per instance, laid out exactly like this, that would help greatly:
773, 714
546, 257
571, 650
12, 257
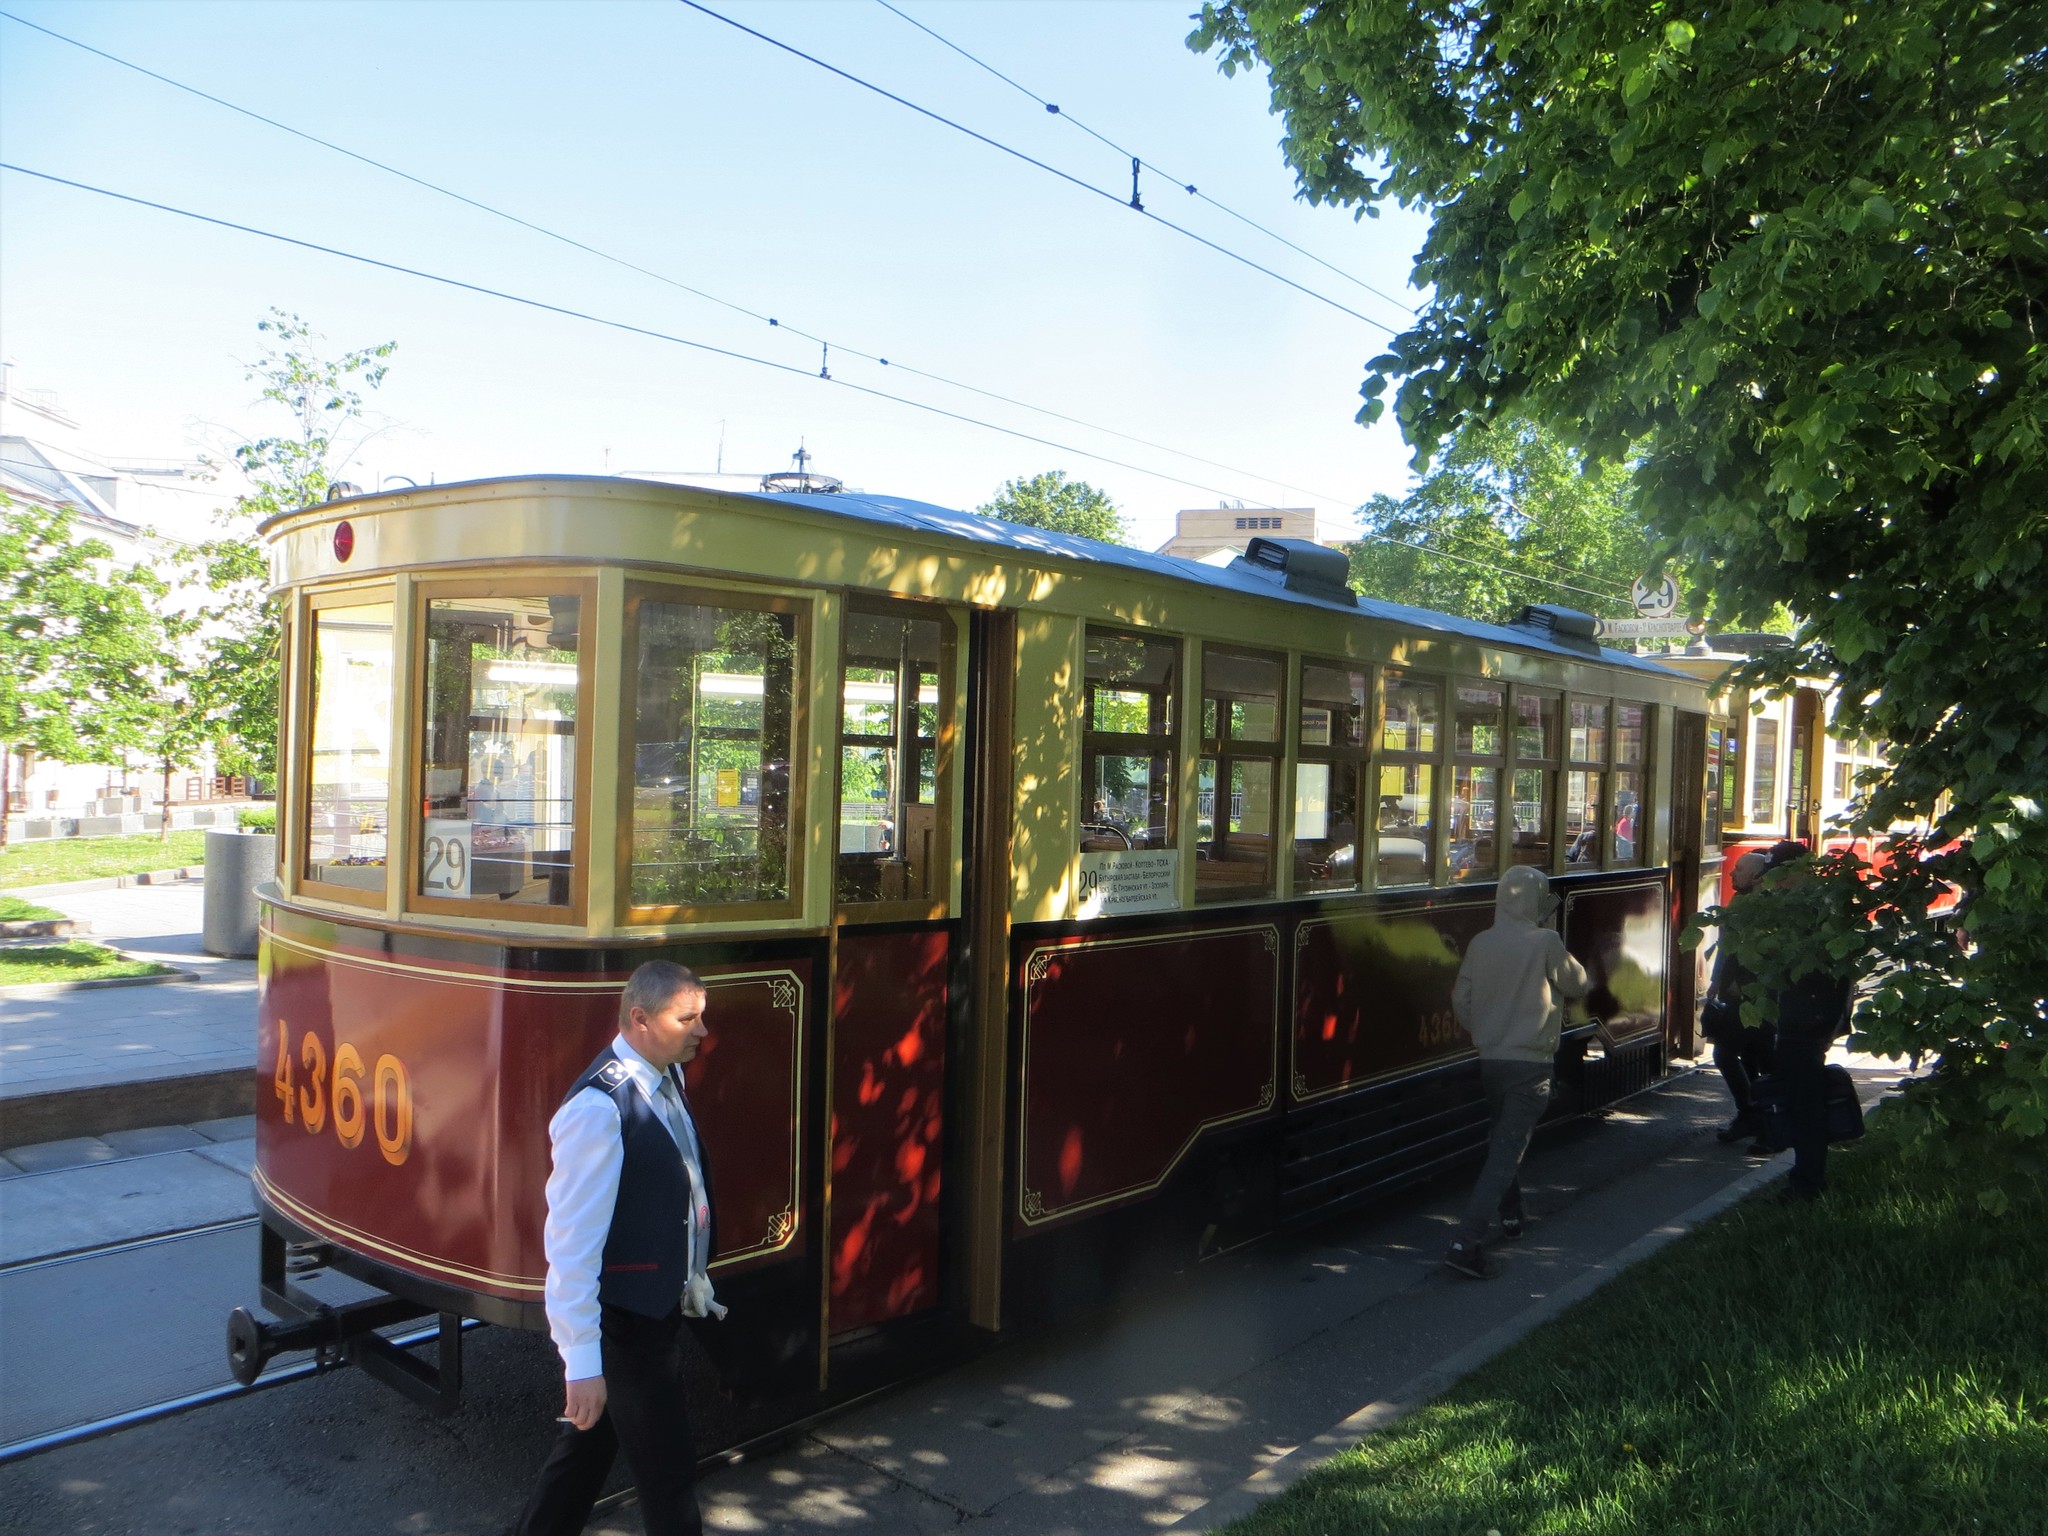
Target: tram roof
978, 528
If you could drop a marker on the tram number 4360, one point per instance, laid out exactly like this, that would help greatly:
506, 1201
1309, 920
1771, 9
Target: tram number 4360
336, 1094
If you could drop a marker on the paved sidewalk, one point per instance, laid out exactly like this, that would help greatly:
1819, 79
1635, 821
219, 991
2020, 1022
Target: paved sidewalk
113, 1035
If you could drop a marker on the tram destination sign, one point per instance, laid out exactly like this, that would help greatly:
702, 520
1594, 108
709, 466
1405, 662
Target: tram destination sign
1129, 880
1644, 629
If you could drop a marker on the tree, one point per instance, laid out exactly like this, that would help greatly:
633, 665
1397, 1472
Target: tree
1053, 501
236, 685
1794, 253
75, 638
1509, 516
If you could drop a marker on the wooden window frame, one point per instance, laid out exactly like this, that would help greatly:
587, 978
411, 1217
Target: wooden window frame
944, 756
646, 588
1096, 743
1342, 757
1644, 769
545, 581
1222, 747
1603, 765
1497, 761
1551, 763
1434, 759
300, 769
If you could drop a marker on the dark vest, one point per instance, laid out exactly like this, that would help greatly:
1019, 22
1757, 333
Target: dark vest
647, 1252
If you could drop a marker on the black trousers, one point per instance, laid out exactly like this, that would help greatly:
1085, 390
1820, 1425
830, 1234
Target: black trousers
646, 1413
1802, 1068
1743, 1056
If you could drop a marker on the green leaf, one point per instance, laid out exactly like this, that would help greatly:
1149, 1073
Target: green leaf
1679, 34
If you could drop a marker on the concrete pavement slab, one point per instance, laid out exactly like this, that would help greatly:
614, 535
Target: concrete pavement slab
71, 1152
74, 1208
237, 1155
229, 1128
144, 1140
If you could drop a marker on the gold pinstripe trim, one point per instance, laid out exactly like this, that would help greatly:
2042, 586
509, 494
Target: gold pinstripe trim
786, 995
328, 1226
1031, 1209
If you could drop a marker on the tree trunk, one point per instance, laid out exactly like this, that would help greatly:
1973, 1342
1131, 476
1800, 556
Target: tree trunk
6, 786
163, 831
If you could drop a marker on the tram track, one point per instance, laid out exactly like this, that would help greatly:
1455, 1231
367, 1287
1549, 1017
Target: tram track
96, 1425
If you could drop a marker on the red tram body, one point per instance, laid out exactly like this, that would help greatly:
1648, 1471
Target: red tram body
1067, 914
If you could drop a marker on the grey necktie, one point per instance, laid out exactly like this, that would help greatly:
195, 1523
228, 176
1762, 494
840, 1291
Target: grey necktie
670, 1098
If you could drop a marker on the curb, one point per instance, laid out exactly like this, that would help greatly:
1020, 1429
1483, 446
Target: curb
44, 928
31, 990
113, 882
1294, 1465
65, 1113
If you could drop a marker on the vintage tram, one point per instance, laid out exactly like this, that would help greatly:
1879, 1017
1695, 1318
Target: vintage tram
1066, 911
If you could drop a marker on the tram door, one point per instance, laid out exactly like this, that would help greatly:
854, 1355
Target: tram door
893, 940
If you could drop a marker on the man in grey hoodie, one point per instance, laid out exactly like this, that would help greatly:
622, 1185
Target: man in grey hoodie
1510, 997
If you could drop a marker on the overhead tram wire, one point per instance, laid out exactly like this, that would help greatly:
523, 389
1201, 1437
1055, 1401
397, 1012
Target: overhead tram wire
1186, 186
725, 303
700, 346
1131, 203
625, 263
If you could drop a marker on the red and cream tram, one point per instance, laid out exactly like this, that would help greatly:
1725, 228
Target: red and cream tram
1066, 911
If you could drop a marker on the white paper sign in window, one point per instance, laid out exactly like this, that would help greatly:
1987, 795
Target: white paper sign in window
445, 858
1129, 880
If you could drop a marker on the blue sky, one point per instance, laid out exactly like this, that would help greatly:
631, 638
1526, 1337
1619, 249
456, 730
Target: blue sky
674, 141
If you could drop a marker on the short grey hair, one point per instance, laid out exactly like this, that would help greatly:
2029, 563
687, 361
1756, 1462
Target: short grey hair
652, 985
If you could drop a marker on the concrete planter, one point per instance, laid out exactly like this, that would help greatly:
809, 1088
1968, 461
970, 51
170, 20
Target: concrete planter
236, 863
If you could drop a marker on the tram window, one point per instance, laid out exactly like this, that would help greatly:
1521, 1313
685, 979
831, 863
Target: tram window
1480, 737
498, 749
348, 769
714, 690
1412, 705
1631, 754
894, 713
1583, 789
1404, 839
1763, 772
1588, 731
1405, 843
1240, 767
1718, 745
1127, 753
1536, 726
1532, 783
1331, 737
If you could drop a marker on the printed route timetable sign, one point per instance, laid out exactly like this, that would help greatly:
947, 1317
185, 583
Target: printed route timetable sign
1129, 880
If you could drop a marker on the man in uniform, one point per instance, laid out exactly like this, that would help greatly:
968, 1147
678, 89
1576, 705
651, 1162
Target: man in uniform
628, 1242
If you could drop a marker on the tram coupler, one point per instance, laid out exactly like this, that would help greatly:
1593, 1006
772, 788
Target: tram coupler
335, 1333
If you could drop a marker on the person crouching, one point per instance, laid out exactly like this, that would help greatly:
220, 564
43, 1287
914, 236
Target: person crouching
1509, 996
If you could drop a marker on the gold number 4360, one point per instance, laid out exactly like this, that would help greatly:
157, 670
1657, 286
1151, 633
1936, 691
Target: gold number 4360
340, 1091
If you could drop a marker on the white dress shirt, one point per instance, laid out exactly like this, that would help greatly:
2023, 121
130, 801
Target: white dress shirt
583, 1189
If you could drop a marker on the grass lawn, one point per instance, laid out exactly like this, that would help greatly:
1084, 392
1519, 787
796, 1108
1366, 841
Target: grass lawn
94, 858
14, 910
1875, 1363
74, 960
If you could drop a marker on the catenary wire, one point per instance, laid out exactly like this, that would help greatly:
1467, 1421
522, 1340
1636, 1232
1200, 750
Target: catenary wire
726, 352
997, 144
734, 306
632, 266
1186, 186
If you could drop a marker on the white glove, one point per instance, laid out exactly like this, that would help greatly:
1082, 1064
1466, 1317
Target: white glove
698, 1301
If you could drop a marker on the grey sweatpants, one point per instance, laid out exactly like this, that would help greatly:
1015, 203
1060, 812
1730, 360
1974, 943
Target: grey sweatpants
1516, 1092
